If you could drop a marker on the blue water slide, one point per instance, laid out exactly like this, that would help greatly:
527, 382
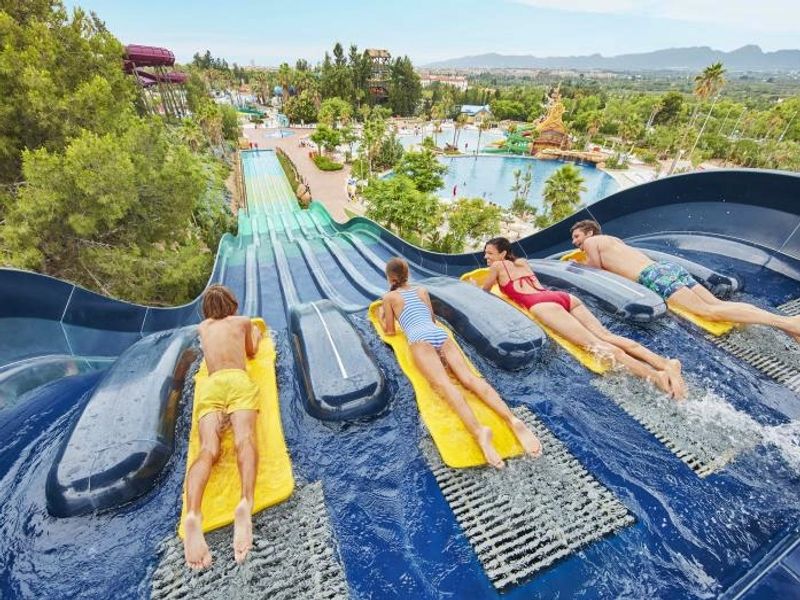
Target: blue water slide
743, 225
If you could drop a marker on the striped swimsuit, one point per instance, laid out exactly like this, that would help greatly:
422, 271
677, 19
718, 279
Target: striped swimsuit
416, 321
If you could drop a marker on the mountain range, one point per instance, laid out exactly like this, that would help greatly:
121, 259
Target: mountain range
746, 58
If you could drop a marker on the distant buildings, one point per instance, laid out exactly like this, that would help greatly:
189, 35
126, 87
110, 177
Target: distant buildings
456, 81
475, 110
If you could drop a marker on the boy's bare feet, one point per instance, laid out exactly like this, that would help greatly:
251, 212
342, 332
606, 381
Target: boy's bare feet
195, 549
529, 441
676, 382
242, 530
488, 449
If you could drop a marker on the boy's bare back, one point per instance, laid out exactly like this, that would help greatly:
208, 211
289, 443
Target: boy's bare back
228, 343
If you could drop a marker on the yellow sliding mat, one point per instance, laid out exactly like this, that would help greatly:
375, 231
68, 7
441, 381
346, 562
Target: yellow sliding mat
712, 327
274, 480
456, 446
587, 359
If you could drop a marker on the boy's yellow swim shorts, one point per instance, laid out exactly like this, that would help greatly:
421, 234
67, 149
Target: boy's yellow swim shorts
226, 390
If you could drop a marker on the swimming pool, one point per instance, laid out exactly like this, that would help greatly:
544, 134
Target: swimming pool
491, 178
467, 140
281, 133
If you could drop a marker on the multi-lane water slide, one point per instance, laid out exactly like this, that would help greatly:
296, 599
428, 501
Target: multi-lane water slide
92, 425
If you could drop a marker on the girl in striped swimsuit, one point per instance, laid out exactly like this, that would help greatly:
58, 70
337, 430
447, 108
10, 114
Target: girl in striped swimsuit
434, 351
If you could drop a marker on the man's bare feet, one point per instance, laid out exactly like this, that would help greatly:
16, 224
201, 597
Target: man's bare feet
529, 441
195, 549
242, 530
676, 382
661, 380
488, 449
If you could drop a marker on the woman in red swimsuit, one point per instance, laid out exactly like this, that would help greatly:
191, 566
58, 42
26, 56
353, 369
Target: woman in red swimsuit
569, 317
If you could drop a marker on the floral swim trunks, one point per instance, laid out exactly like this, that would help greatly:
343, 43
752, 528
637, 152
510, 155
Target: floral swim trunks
666, 278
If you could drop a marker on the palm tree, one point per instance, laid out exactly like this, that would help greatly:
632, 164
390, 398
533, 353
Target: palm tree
709, 82
483, 125
562, 195
706, 84
460, 121
284, 79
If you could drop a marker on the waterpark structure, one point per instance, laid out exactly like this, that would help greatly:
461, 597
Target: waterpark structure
633, 496
149, 66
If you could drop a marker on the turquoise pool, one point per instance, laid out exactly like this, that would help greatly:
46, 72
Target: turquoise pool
491, 178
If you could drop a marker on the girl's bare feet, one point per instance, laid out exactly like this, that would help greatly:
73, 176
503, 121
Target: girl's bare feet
242, 530
195, 549
676, 382
488, 449
530, 443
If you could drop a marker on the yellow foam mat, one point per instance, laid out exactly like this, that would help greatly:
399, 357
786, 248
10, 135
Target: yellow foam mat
576, 255
587, 359
712, 327
274, 480
456, 445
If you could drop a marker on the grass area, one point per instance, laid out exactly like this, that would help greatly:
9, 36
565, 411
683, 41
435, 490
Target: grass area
326, 164
289, 169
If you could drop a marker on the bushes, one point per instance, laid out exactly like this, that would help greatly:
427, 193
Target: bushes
648, 157
288, 168
326, 164
360, 169
616, 162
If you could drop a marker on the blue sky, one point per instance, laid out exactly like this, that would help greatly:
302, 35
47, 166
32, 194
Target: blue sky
269, 32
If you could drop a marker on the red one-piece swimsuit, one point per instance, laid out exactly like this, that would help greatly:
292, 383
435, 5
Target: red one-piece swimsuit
528, 299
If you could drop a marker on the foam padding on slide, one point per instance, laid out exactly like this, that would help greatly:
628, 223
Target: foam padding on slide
274, 479
456, 445
576, 255
713, 327
587, 359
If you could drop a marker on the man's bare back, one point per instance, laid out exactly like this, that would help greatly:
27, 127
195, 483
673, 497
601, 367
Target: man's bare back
612, 254
228, 342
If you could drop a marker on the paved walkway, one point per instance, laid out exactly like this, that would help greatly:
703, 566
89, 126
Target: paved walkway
327, 187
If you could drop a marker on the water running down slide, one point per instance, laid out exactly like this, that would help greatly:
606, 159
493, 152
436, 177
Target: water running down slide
693, 537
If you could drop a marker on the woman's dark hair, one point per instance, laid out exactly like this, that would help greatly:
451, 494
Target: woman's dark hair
397, 272
503, 245
219, 302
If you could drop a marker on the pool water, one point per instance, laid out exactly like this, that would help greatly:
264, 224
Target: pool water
491, 178
467, 138
280, 133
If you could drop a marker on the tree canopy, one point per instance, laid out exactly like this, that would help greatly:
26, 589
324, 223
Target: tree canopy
92, 191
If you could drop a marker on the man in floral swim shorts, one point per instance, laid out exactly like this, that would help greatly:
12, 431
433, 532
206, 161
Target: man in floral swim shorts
670, 281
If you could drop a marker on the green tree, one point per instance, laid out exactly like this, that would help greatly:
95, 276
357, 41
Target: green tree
334, 112
58, 76
508, 109
397, 205
405, 88
562, 195
111, 208
670, 108
326, 138
469, 220
423, 169
521, 188
301, 108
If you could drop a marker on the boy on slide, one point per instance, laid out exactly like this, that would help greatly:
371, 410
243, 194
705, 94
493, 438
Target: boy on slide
670, 281
227, 396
